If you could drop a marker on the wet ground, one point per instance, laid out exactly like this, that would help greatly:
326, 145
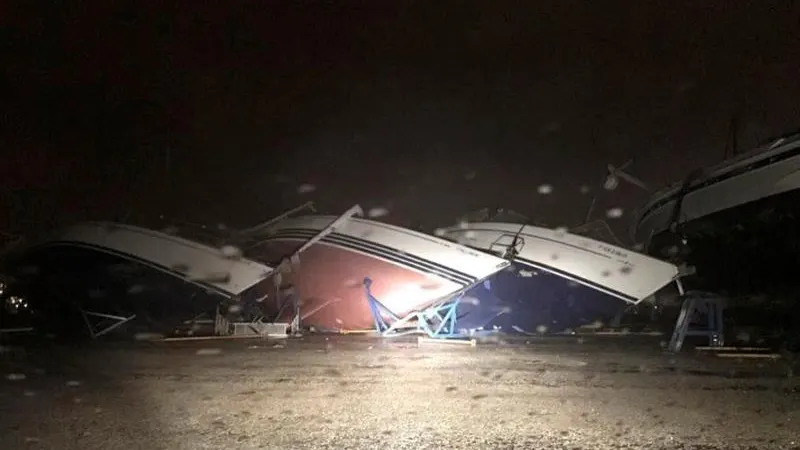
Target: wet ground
361, 393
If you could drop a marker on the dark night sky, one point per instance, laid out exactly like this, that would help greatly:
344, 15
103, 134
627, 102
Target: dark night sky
376, 102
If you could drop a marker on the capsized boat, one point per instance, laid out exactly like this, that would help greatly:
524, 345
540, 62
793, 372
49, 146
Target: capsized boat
112, 268
557, 280
766, 172
324, 261
743, 211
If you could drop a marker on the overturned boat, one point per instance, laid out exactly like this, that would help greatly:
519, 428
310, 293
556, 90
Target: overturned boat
557, 281
112, 273
327, 264
743, 211
763, 174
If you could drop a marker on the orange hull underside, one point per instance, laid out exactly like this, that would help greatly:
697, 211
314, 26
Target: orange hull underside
328, 282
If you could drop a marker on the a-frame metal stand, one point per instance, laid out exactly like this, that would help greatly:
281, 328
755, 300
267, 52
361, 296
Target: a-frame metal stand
710, 305
103, 323
292, 302
438, 321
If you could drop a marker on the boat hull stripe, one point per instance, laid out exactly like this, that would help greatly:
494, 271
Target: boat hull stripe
381, 251
584, 281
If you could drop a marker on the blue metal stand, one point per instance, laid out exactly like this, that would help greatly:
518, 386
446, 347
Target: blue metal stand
437, 321
713, 307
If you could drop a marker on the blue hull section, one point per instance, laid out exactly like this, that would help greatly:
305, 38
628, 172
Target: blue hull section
525, 299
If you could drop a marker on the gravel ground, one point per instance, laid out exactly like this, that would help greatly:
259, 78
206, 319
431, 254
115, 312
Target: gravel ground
356, 392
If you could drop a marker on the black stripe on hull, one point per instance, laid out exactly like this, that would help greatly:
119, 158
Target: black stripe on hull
381, 251
584, 281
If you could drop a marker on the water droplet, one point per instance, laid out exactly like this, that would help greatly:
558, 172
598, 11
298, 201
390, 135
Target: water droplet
233, 309
170, 230
614, 213
15, 377
231, 252
560, 231
215, 277
181, 267
306, 188
585, 189
136, 289
430, 285
541, 329
147, 336
743, 336
352, 283
545, 189
440, 232
596, 325
208, 351
470, 300
470, 234
73, 383
377, 212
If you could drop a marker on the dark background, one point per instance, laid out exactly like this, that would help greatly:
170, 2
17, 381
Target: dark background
217, 111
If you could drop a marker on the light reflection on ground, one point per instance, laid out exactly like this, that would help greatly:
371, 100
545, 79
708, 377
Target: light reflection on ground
355, 392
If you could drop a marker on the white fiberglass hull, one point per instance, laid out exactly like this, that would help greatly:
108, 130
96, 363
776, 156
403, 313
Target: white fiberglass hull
409, 270
763, 173
560, 280
123, 270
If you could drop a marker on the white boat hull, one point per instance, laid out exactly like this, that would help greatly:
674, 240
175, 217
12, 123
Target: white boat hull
121, 270
561, 280
410, 270
764, 173
193, 262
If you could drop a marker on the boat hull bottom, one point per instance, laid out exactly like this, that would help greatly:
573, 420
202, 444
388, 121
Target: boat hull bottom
522, 299
753, 248
329, 285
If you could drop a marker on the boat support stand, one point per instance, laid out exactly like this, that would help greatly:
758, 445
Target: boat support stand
708, 305
438, 321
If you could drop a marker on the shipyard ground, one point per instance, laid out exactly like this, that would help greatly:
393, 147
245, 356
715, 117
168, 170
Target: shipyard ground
350, 392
